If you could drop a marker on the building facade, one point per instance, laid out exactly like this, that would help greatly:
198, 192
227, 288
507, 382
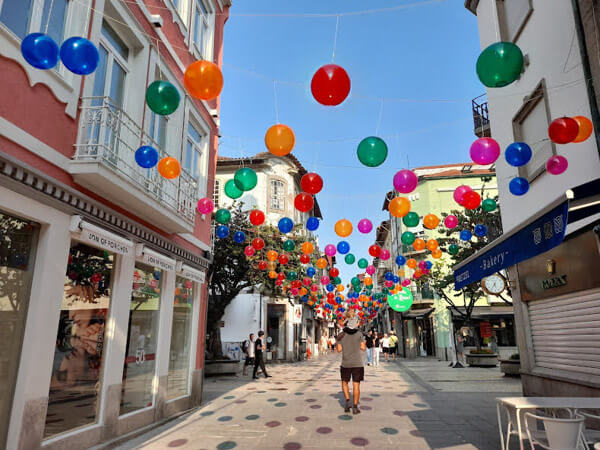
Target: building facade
102, 263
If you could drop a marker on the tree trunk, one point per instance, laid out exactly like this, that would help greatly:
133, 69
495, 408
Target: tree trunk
214, 348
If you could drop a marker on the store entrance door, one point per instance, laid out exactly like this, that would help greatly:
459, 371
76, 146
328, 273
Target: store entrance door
276, 330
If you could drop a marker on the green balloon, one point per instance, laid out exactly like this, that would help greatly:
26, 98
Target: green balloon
407, 238
245, 179
162, 97
453, 249
232, 191
289, 245
500, 64
223, 216
372, 151
337, 280
355, 281
401, 301
411, 219
291, 275
349, 258
363, 263
489, 205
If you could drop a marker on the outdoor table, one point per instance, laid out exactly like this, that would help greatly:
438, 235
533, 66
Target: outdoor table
523, 403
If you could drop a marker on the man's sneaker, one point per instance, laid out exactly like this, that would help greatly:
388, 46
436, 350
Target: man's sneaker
347, 408
355, 410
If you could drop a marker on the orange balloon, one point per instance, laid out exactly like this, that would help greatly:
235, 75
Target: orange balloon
368, 281
419, 244
400, 272
432, 245
203, 80
272, 274
431, 221
412, 263
280, 139
418, 273
343, 228
272, 255
340, 287
271, 265
303, 291
321, 263
436, 254
399, 207
585, 128
307, 248
169, 167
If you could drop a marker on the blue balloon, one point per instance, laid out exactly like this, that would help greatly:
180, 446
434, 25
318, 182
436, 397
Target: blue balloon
40, 51
429, 264
239, 237
310, 271
518, 186
395, 279
389, 276
285, 225
400, 260
480, 230
79, 55
518, 154
146, 156
304, 299
465, 235
343, 247
312, 223
330, 287
222, 231
156, 274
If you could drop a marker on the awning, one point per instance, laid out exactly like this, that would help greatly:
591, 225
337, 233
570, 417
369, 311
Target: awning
540, 233
418, 314
155, 259
192, 274
100, 237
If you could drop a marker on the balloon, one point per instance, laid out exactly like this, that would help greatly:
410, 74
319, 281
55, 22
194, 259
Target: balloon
343, 247
232, 191
429, 264
419, 244
330, 250
285, 225
374, 250
245, 179
169, 167
258, 243
389, 276
205, 205
365, 226
330, 85
370, 269
311, 183
385, 254
406, 282
499, 64
284, 259
280, 140
291, 275
146, 157
271, 265
79, 55
431, 245
557, 164
585, 128
307, 248
272, 255
405, 181
310, 271
411, 219
334, 272
465, 235
407, 238
203, 80
518, 186
437, 253
262, 265
304, 259
368, 280
355, 281
400, 260
294, 291
460, 192
222, 216
518, 154
249, 251
239, 237
350, 258
363, 263
330, 287
453, 249
451, 221
412, 263
480, 230
484, 151
399, 207
422, 265
343, 228
289, 245
325, 280
312, 223
321, 263
162, 97
257, 217
340, 288
471, 200
489, 205
222, 231
563, 130
40, 51
431, 221
304, 202
372, 151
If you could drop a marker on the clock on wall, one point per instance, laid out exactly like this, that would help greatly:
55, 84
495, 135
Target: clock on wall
493, 285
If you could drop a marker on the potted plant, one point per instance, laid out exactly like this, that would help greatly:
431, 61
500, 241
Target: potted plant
482, 357
511, 366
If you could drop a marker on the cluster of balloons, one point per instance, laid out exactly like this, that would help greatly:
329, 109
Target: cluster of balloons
466, 197
311, 184
77, 54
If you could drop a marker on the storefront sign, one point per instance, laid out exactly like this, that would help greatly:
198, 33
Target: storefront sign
297, 314
193, 274
155, 259
554, 282
104, 239
485, 329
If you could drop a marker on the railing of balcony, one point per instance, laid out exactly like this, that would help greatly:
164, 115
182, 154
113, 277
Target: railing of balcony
110, 137
481, 116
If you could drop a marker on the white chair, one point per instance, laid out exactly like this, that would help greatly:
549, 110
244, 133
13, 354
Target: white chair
591, 436
511, 426
560, 434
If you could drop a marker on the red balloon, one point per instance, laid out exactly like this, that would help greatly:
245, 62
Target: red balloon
283, 260
374, 250
280, 276
279, 282
311, 183
258, 243
471, 200
257, 217
330, 85
304, 258
296, 284
334, 272
563, 130
304, 202
262, 265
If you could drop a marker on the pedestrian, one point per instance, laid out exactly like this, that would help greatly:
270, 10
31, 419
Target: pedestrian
376, 348
460, 348
350, 344
248, 349
258, 356
393, 344
331, 343
370, 343
308, 347
385, 343
323, 344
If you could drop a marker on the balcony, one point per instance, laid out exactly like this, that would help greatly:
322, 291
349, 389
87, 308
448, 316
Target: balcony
481, 118
104, 162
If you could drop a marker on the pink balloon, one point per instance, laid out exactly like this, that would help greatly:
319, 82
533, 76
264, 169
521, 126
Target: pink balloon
324, 280
389, 283
306, 281
205, 205
249, 250
460, 192
451, 221
405, 181
330, 250
385, 254
295, 291
425, 271
314, 288
365, 226
557, 164
485, 151
422, 265
370, 270
406, 282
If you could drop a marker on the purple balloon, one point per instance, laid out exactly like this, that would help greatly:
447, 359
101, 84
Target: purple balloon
365, 226
405, 181
485, 151
330, 250
460, 192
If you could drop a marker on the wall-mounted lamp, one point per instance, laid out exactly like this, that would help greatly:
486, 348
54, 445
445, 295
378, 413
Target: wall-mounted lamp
551, 266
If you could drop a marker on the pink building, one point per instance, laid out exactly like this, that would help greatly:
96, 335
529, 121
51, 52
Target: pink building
102, 263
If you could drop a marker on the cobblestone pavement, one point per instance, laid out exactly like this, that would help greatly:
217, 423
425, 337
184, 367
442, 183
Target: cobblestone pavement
417, 404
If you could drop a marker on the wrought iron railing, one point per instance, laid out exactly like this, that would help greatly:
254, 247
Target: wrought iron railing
481, 118
110, 137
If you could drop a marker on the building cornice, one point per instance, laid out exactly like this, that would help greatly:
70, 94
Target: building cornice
471, 5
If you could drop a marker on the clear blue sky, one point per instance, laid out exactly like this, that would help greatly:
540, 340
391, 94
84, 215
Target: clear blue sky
426, 52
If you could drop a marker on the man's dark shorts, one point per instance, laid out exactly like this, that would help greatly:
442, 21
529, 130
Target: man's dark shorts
356, 373
249, 361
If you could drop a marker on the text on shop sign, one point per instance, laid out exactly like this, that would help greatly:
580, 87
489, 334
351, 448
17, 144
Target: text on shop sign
105, 242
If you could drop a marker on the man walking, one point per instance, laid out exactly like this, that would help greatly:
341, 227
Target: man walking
248, 348
258, 356
393, 344
370, 342
350, 344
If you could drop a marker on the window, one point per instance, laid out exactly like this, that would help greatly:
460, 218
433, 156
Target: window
530, 125
201, 31
512, 16
17, 16
109, 80
216, 193
181, 333
277, 195
193, 151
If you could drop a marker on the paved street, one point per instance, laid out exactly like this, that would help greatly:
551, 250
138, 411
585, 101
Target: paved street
411, 405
